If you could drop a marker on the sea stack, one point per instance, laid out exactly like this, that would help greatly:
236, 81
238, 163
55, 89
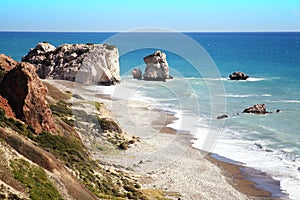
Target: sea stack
157, 68
238, 76
85, 63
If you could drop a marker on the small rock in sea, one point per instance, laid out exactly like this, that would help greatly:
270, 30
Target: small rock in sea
256, 109
222, 116
258, 145
278, 111
299, 169
137, 73
238, 76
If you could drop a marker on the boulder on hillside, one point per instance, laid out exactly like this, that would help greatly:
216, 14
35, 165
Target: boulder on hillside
85, 63
25, 93
238, 76
6, 64
137, 73
157, 68
256, 109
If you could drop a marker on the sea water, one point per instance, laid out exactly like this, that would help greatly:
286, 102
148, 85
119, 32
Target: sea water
270, 143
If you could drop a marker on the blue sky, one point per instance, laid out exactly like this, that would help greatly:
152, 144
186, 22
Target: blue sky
125, 15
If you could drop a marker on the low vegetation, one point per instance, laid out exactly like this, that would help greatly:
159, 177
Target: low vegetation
109, 46
103, 182
35, 178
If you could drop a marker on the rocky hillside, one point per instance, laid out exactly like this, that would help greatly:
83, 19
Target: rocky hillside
42, 155
85, 63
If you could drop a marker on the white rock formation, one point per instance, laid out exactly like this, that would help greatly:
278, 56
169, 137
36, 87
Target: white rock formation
157, 68
85, 63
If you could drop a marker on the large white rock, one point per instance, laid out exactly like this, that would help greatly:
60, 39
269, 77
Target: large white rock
85, 63
157, 68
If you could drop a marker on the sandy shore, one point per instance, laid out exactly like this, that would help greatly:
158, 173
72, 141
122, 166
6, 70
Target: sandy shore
165, 159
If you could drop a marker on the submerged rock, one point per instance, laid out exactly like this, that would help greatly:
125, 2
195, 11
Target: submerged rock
137, 73
238, 76
85, 63
222, 116
157, 68
256, 109
25, 93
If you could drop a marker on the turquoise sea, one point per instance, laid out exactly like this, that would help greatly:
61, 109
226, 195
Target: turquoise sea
269, 143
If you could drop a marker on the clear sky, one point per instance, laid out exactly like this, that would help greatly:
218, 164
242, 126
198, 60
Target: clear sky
125, 15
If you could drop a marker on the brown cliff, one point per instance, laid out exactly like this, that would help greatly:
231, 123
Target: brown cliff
25, 94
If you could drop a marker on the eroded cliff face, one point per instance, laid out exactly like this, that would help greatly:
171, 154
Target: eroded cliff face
84, 63
25, 94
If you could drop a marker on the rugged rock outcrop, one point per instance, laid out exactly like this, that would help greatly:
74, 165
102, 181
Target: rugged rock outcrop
6, 107
25, 94
238, 76
6, 64
85, 63
157, 68
256, 109
137, 73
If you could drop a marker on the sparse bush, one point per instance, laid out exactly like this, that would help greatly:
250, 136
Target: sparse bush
77, 96
109, 46
35, 179
61, 109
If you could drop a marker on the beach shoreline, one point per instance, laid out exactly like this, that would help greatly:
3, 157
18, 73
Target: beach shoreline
165, 158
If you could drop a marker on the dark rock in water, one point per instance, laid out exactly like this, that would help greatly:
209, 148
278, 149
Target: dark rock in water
258, 145
25, 93
222, 116
157, 68
85, 63
238, 76
278, 111
137, 73
256, 109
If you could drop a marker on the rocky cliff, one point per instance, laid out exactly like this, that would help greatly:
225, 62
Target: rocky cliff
26, 94
57, 165
85, 63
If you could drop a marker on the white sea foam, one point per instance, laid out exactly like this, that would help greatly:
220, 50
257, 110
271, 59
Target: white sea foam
245, 95
285, 101
251, 79
273, 162
99, 89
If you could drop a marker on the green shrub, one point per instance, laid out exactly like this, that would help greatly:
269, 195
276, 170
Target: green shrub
77, 96
35, 179
16, 125
61, 109
109, 46
68, 149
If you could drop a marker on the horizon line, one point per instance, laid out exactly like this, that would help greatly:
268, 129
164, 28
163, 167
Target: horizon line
171, 31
